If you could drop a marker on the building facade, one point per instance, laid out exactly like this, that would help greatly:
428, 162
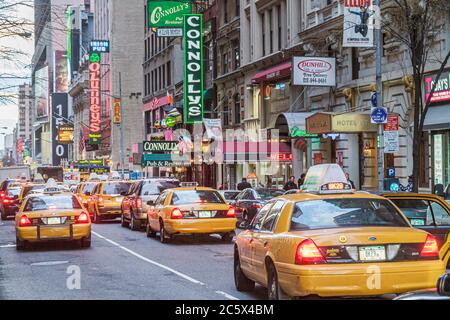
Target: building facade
25, 118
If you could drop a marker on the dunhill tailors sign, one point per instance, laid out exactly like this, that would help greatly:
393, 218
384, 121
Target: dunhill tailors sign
325, 122
160, 146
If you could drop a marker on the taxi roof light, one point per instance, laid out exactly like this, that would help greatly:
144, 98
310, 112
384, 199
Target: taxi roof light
51, 187
189, 184
430, 248
308, 253
326, 179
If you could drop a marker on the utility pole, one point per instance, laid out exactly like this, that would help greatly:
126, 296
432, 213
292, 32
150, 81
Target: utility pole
122, 162
379, 81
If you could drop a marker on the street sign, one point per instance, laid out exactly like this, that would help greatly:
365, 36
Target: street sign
391, 142
392, 123
391, 172
379, 115
99, 46
169, 32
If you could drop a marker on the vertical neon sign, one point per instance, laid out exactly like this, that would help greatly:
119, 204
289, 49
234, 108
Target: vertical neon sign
95, 99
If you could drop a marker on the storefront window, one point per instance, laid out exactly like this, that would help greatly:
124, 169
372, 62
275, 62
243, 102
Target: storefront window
438, 160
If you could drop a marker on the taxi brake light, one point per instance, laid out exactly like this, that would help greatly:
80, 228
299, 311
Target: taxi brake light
231, 213
308, 253
176, 214
138, 202
24, 222
7, 201
82, 218
430, 248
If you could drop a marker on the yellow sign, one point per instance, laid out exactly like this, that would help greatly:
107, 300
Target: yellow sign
116, 111
352, 122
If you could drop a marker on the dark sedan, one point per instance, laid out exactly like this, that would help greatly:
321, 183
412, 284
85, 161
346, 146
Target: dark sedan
10, 203
249, 201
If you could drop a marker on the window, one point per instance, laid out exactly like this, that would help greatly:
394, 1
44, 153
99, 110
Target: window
237, 8
355, 64
196, 196
271, 30
116, 188
237, 109
263, 35
270, 221
417, 211
226, 113
236, 55
279, 27
257, 220
441, 216
225, 63
347, 212
156, 187
225, 11
169, 74
52, 203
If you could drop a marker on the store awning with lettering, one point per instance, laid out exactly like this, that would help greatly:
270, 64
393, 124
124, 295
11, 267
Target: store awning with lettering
293, 124
279, 71
329, 122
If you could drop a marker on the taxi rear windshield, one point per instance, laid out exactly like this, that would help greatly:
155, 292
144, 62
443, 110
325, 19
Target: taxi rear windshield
52, 203
196, 196
338, 213
13, 192
116, 188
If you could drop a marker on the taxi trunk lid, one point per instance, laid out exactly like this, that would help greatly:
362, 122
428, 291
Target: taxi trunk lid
54, 217
204, 211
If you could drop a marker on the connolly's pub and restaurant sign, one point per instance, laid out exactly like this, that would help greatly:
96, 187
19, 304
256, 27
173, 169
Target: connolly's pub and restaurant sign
193, 68
160, 146
167, 14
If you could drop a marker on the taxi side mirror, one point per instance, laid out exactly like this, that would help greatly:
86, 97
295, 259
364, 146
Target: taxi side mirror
443, 285
151, 203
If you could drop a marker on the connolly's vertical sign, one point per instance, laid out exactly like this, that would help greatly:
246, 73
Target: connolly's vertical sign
193, 68
95, 99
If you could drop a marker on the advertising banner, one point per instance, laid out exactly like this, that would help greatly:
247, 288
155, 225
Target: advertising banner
168, 14
60, 107
41, 93
65, 135
442, 87
314, 71
99, 46
61, 72
95, 136
193, 69
358, 23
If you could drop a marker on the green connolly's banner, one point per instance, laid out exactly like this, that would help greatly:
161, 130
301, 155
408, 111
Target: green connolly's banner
193, 68
167, 14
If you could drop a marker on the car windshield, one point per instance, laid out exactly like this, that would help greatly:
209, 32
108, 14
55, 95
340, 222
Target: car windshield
337, 213
416, 210
116, 188
230, 195
52, 203
267, 194
156, 187
12, 192
196, 196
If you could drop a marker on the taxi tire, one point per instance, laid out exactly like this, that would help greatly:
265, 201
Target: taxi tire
150, 233
242, 283
4, 216
274, 291
20, 244
85, 242
163, 236
134, 225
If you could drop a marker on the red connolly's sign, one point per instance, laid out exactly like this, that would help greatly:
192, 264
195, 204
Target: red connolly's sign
94, 81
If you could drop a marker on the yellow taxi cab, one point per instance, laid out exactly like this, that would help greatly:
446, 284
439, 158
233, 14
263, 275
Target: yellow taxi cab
84, 190
190, 210
331, 241
52, 215
106, 198
29, 187
428, 212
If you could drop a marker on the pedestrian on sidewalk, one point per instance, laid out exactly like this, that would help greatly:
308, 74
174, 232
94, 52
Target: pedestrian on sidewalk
290, 185
243, 185
301, 181
409, 187
347, 175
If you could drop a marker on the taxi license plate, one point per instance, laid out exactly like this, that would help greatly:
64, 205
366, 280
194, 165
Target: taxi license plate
53, 221
204, 214
375, 253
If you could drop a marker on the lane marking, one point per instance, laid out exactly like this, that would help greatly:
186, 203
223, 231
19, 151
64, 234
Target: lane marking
180, 274
226, 295
8, 246
48, 263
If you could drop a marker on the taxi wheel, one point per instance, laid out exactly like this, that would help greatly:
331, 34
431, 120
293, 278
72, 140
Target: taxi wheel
228, 237
164, 237
150, 233
20, 244
241, 281
86, 242
274, 291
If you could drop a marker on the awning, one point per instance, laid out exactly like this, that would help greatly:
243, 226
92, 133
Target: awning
273, 73
329, 122
437, 118
292, 124
157, 103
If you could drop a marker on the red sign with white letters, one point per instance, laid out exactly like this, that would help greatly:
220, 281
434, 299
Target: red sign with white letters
392, 123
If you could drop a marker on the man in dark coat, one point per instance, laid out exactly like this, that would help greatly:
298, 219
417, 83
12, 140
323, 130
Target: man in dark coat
243, 185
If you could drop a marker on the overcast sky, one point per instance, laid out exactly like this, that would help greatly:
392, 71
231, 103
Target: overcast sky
9, 113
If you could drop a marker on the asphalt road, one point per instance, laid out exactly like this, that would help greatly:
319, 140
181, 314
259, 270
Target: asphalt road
121, 264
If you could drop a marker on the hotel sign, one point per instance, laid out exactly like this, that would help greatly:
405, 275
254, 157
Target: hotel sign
95, 99
193, 69
167, 14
